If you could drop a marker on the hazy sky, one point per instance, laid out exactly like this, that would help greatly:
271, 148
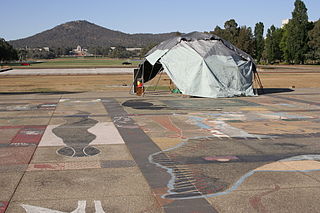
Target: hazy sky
23, 18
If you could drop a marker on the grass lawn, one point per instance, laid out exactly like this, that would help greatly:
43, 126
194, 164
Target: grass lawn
79, 62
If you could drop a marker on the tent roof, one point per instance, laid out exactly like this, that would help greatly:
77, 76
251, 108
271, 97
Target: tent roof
194, 36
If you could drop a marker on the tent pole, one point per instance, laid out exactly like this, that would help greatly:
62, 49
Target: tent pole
260, 83
143, 81
255, 83
257, 78
158, 81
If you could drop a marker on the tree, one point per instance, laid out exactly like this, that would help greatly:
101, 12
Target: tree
273, 51
295, 42
277, 37
39, 53
259, 40
245, 40
231, 31
219, 32
314, 43
120, 52
99, 51
146, 49
7, 52
241, 37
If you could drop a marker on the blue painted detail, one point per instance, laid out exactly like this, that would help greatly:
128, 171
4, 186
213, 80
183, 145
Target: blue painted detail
199, 122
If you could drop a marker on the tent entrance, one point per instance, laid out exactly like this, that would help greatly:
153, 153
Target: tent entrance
146, 76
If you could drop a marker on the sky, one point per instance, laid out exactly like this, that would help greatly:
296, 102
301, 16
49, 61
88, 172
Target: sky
23, 18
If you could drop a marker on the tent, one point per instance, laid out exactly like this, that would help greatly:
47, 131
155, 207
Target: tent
202, 65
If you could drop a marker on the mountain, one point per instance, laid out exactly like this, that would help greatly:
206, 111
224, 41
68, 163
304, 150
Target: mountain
87, 34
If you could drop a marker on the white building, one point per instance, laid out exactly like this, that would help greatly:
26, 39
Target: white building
79, 51
284, 22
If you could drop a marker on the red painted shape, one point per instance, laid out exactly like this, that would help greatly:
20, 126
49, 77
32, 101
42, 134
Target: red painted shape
256, 202
43, 166
166, 122
3, 206
29, 134
221, 158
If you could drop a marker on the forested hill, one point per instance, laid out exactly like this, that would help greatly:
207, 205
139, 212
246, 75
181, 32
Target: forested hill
87, 34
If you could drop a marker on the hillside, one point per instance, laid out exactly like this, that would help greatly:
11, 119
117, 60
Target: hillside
87, 35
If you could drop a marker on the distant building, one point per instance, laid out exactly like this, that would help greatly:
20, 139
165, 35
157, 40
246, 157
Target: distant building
79, 51
134, 49
47, 49
131, 49
284, 22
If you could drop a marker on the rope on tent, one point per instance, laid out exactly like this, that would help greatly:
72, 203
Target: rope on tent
132, 85
142, 75
158, 80
258, 80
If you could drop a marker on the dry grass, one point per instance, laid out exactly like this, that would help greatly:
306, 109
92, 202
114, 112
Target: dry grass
78, 83
290, 80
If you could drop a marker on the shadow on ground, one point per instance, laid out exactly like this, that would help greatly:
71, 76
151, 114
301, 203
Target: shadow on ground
266, 91
141, 104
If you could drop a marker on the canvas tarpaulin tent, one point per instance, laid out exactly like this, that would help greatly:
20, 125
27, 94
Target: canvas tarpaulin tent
202, 65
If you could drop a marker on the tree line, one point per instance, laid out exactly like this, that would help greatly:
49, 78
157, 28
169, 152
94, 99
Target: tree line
40, 53
297, 42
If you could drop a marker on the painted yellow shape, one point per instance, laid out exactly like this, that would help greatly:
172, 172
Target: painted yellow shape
166, 143
290, 165
275, 166
303, 165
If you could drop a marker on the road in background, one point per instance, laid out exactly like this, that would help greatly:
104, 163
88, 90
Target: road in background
82, 71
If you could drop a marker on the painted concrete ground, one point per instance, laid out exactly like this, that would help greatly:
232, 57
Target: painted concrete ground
112, 152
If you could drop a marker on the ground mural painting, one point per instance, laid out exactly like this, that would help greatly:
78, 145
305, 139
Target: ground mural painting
80, 209
76, 136
189, 181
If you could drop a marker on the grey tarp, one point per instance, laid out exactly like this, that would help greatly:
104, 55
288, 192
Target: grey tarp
202, 65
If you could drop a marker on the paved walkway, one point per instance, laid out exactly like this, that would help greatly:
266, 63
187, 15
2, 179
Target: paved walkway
112, 152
